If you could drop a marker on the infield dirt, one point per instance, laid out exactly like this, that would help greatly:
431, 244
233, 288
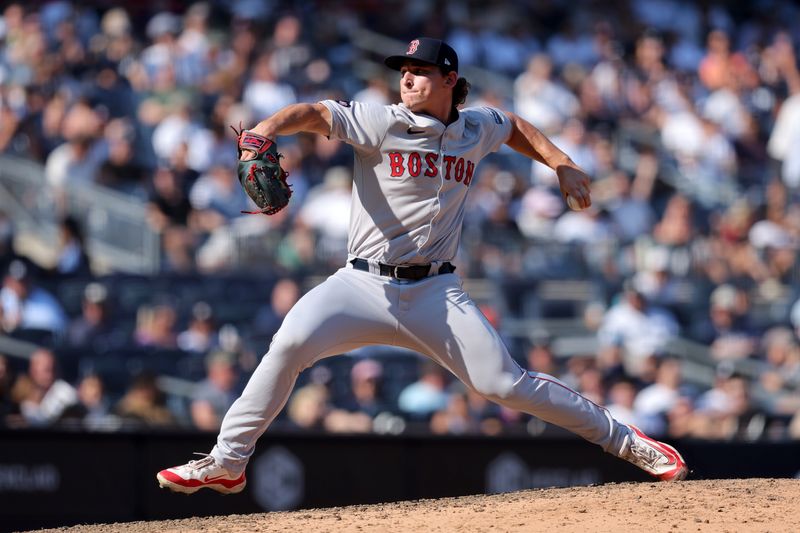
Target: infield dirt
708, 506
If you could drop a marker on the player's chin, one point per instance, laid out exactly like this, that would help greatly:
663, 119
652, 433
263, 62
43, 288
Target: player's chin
413, 102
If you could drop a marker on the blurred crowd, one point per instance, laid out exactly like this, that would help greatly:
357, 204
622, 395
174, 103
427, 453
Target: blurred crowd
684, 113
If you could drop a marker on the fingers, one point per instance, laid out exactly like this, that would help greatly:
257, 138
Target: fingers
579, 200
579, 190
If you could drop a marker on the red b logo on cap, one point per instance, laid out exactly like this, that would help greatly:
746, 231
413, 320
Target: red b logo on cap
412, 47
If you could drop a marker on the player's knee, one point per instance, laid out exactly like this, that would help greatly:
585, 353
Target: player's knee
498, 389
289, 348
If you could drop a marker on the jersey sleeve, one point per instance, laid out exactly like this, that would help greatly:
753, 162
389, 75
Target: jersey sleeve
357, 123
495, 126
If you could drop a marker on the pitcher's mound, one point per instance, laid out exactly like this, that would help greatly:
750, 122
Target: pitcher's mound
712, 505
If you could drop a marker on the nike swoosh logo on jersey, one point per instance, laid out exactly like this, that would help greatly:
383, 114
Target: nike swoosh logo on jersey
412, 131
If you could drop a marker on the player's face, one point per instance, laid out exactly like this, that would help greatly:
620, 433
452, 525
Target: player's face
423, 87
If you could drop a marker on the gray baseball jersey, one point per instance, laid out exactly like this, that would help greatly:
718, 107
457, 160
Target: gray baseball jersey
412, 175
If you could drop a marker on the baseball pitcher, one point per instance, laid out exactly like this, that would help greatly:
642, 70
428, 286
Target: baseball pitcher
414, 165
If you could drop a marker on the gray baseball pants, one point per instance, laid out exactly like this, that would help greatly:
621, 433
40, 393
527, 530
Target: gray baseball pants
433, 316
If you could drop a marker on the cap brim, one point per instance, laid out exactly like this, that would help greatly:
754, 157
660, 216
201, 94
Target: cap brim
397, 62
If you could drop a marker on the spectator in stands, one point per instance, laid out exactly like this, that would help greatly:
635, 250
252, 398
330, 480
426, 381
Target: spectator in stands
9, 123
264, 93
576, 365
591, 385
217, 198
72, 258
296, 253
366, 394
377, 92
621, 402
269, 318
494, 419
341, 421
46, 395
95, 326
674, 232
290, 53
541, 99
27, 306
8, 406
779, 381
467, 412
780, 70
455, 418
201, 333
213, 396
309, 406
781, 352
720, 64
155, 326
660, 397
144, 405
425, 396
794, 427
628, 202
213, 145
583, 227
174, 122
574, 141
682, 421
570, 45
169, 214
733, 336
318, 154
121, 171
610, 361
727, 411
327, 210
641, 328
77, 161
659, 287
7, 251
541, 358
94, 406
535, 215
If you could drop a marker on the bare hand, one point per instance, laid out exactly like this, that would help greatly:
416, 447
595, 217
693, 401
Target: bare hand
247, 155
575, 183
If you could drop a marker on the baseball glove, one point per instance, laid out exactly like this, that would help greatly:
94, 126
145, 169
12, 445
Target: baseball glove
262, 177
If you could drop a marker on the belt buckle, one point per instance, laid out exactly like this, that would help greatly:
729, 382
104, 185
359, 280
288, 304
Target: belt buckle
394, 272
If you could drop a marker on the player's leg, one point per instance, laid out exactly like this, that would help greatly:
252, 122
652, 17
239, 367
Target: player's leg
446, 325
450, 328
349, 310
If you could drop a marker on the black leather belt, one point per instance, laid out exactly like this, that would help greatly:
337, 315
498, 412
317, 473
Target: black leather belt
410, 272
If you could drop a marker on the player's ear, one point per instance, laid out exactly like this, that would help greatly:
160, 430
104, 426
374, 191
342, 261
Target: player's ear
451, 79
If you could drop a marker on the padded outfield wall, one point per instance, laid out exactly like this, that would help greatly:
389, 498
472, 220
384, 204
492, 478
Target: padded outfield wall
58, 478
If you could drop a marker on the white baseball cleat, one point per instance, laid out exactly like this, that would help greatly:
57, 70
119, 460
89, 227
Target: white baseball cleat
200, 474
654, 457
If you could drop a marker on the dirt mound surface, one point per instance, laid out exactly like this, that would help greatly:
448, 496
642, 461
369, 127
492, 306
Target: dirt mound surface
710, 505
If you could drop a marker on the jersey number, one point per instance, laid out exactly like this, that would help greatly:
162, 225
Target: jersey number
456, 168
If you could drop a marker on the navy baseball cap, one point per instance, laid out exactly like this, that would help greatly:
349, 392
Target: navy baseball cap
426, 50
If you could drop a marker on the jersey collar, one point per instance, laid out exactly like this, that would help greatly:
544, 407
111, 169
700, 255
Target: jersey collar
427, 121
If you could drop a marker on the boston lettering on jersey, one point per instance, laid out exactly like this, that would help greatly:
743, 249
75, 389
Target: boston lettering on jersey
456, 168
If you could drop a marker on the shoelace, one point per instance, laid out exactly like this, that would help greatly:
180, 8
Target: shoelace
197, 464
